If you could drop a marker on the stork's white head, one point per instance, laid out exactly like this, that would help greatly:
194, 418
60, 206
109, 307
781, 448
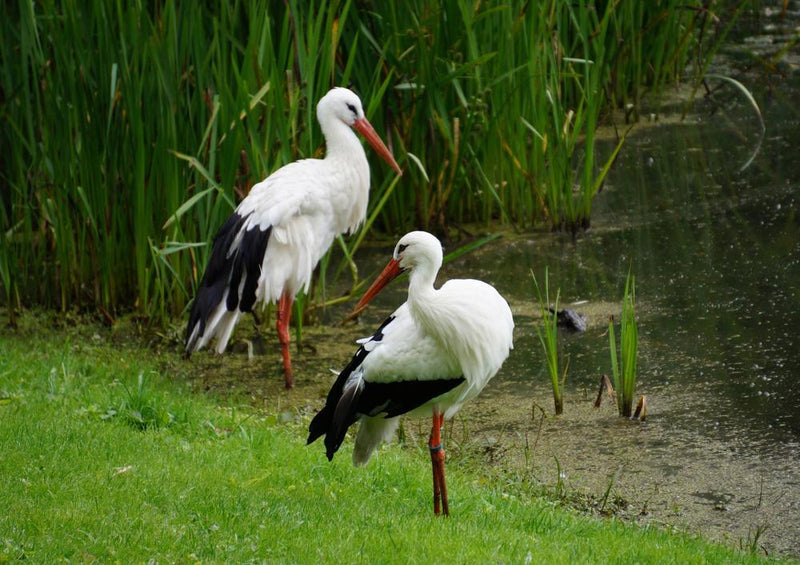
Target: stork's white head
419, 250
341, 105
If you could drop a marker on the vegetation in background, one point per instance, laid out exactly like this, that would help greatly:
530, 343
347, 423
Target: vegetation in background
624, 366
231, 484
131, 131
548, 336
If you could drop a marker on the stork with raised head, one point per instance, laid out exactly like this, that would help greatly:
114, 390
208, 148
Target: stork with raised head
267, 250
435, 352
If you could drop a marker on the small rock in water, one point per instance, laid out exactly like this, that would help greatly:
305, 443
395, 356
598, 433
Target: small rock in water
571, 320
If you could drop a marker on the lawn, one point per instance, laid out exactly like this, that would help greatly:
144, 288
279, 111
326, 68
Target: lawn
105, 458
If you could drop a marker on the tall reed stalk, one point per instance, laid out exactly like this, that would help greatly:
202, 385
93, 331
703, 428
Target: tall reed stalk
624, 367
548, 337
131, 130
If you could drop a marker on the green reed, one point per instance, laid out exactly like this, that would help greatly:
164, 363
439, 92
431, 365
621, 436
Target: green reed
548, 337
131, 132
624, 367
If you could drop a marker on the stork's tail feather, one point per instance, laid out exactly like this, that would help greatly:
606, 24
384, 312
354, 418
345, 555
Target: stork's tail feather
330, 421
338, 414
229, 284
372, 432
345, 415
319, 425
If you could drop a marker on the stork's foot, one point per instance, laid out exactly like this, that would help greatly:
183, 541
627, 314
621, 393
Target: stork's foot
288, 381
288, 374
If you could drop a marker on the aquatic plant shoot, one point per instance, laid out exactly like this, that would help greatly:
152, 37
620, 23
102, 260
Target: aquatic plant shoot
624, 367
548, 336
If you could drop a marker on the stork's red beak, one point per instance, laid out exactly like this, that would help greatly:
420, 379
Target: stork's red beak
389, 272
365, 128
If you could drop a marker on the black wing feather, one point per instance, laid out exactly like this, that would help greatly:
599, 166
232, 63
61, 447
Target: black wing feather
397, 398
390, 399
254, 246
321, 423
344, 407
224, 272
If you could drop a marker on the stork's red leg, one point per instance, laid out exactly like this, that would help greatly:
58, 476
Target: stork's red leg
437, 464
284, 316
437, 493
435, 447
442, 482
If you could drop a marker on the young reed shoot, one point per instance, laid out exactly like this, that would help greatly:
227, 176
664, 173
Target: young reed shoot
548, 337
624, 367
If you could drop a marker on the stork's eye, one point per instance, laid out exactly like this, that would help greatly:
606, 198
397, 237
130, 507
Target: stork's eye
352, 108
401, 248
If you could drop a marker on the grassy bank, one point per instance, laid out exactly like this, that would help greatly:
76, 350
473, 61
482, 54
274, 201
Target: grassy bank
105, 458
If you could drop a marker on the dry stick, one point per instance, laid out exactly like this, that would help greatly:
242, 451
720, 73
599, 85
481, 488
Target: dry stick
538, 429
641, 409
605, 384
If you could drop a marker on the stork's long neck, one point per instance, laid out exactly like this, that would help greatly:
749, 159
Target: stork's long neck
342, 144
420, 287
350, 169
422, 295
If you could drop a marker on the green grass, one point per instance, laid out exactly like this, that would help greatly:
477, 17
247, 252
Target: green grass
225, 483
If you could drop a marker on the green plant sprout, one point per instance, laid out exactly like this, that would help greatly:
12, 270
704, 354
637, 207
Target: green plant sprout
548, 336
624, 368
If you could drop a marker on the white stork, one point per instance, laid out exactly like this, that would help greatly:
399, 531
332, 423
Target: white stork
435, 352
267, 250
